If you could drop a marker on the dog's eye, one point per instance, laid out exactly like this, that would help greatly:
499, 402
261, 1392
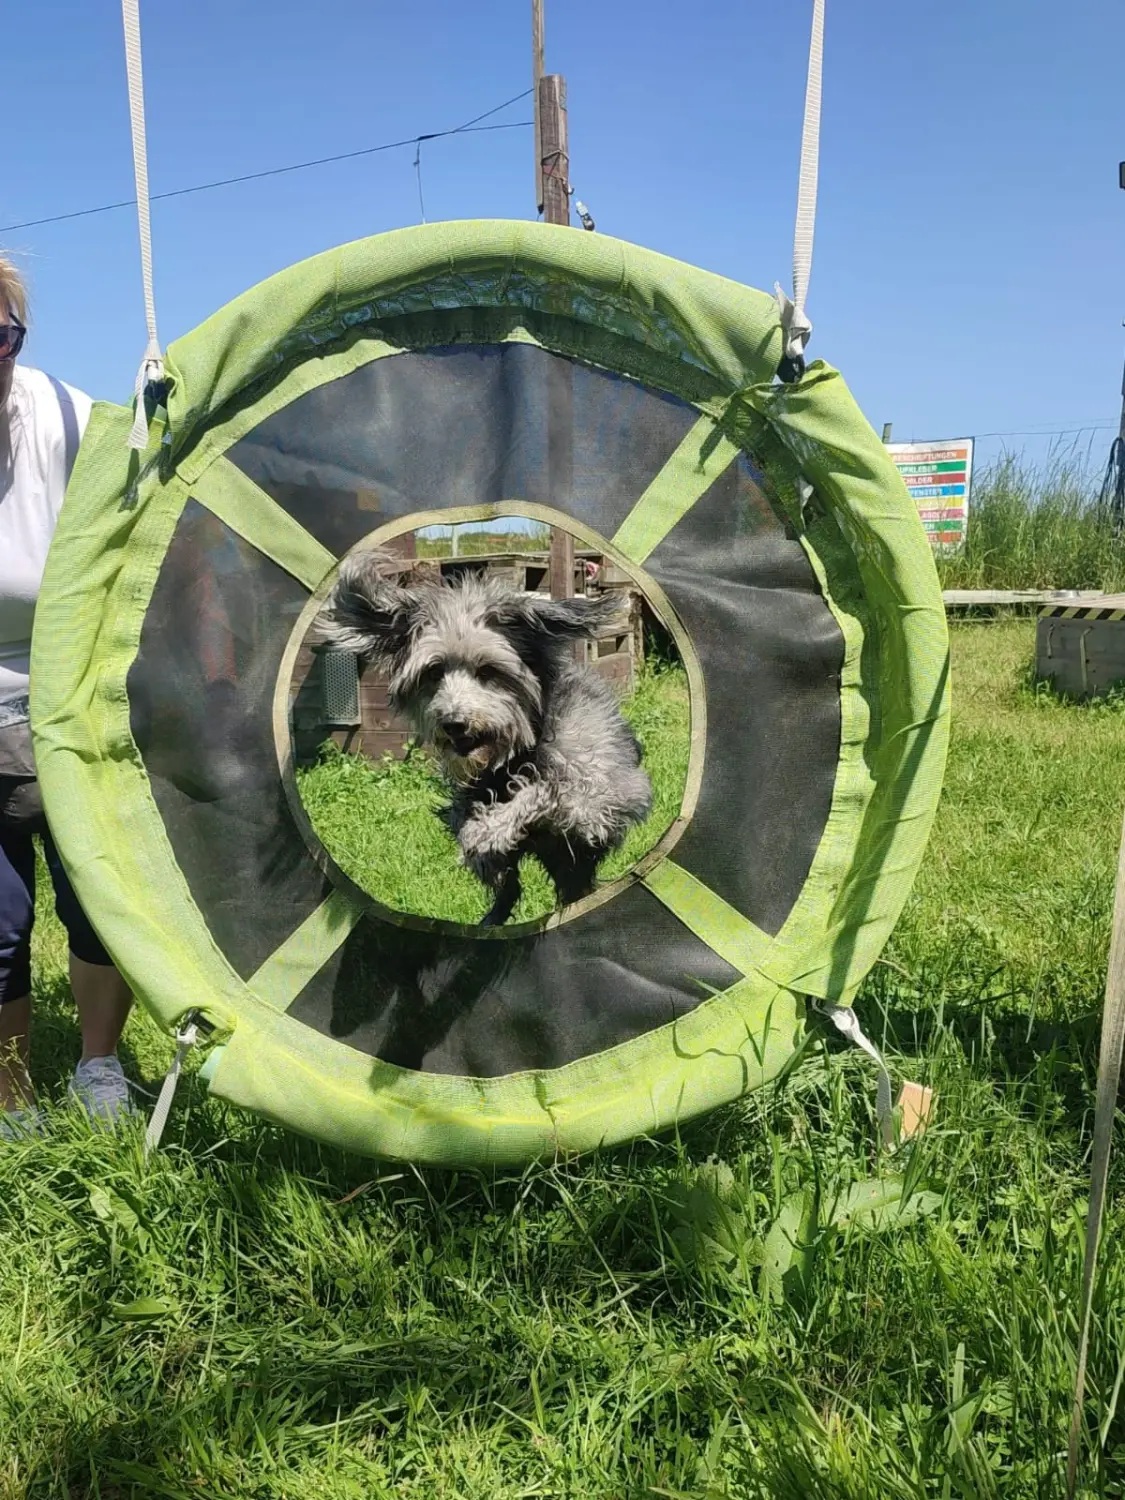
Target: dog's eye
430, 677
490, 676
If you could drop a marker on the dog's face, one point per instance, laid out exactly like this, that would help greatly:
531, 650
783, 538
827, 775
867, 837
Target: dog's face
464, 682
470, 662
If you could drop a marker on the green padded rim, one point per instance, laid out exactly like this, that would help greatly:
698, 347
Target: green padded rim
709, 341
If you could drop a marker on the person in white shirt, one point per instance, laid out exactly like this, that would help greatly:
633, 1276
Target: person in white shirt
41, 425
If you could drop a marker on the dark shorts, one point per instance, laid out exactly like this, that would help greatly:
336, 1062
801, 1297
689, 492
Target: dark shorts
21, 818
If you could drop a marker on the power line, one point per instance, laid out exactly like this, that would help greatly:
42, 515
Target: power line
470, 127
1037, 432
1052, 431
1042, 432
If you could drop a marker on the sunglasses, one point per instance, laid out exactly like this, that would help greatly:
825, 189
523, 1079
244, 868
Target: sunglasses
12, 336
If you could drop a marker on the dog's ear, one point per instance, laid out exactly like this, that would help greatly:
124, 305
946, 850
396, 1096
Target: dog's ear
580, 618
367, 613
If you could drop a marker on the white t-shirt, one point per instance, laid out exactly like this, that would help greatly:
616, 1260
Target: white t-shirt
45, 421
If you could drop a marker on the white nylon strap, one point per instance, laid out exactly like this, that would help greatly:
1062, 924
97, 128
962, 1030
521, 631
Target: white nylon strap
846, 1022
152, 365
794, 319
185, 1040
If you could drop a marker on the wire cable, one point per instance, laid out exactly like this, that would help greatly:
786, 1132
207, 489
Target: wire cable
1051, 431
470, 127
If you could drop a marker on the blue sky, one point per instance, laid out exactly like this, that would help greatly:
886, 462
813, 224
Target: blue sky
969, 274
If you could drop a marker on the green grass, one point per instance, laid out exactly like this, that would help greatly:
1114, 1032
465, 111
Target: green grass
377, 819
1037, 527
479, 543
320, 1326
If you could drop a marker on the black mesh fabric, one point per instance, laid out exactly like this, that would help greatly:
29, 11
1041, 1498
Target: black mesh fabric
450, 428
456, 1005
771, 653
463, 426
201, 707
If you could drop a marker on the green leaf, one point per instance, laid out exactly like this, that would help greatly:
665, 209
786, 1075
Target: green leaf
787, 1254
102, 1204
963, 1409
143, 1310
709, 1226
880, 1204
111, 1208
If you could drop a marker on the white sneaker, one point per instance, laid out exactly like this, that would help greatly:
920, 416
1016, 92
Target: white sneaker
22, 1124
102, 1089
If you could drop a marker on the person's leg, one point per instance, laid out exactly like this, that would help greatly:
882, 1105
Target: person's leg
102, 998
104, 1001
16, 1091
17, 913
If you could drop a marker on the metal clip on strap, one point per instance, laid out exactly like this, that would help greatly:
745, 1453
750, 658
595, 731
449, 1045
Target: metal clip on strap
846, 1022
186, 1038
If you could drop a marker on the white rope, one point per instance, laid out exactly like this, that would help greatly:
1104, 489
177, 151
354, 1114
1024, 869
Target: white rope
152, 365
185, 1040
794, 319
846, 1022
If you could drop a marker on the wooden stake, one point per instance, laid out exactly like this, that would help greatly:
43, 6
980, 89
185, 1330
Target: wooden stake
562, 563
1105, 1110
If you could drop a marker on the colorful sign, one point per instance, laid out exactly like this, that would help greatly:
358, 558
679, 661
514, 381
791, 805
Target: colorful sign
939, 477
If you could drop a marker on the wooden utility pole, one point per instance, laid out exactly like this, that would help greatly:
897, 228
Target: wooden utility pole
552, 192
555, 159
552, 157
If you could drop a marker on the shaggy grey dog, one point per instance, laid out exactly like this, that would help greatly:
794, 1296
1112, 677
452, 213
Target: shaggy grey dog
538, 756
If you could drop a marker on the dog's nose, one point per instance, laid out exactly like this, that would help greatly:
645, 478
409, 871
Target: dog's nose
456, 729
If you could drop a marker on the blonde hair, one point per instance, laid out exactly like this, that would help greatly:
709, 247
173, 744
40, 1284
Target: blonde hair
12, 290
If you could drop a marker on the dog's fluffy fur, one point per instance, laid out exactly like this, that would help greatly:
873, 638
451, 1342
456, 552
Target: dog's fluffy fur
538, 756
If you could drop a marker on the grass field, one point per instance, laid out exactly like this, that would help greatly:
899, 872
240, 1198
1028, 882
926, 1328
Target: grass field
252, 1316
377, 820
476, 540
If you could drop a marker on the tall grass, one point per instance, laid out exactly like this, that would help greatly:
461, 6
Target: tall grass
1037, 526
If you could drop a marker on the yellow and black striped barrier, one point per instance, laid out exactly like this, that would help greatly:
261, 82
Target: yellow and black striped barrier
1083, 612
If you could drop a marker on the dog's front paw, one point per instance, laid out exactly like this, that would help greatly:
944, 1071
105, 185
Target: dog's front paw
481, 836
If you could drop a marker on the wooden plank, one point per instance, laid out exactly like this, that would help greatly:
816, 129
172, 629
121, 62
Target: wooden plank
972, 598
562, 564
617, 670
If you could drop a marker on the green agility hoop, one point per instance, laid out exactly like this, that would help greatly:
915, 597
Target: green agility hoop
479, 369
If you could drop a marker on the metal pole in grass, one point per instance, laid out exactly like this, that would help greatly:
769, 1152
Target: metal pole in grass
1105, 1108
1113, 486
